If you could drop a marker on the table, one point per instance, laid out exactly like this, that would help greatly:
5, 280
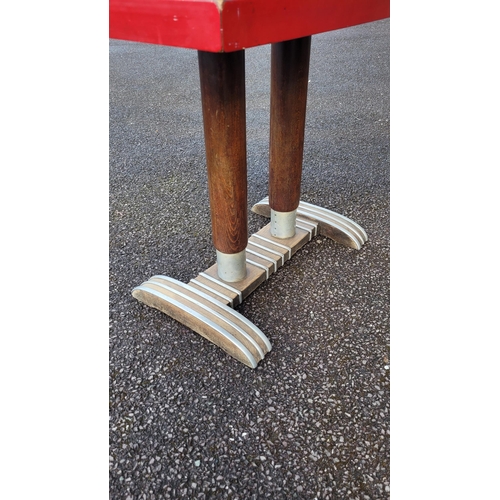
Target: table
221, 30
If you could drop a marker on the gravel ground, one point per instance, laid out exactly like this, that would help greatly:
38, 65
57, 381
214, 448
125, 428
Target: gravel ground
312, 421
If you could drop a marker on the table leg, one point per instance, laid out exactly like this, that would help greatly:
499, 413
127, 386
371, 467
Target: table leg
289, 78
222, 79
205, 303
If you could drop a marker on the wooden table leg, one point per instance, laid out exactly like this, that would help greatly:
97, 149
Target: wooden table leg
289, 78
222, 78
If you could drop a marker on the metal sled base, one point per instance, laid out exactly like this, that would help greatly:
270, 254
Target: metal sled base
205, 304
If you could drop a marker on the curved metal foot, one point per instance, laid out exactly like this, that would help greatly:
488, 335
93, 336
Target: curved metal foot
207, 316
330, 224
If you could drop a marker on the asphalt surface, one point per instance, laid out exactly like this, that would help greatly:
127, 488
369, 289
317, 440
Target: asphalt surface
312, 420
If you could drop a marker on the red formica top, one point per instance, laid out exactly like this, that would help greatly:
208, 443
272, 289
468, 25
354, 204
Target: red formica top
229, 25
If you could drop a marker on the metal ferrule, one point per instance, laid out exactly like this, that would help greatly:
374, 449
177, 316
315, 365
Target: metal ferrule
283, 223
231, 267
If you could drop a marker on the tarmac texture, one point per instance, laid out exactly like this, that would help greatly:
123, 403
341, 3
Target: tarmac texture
312, 420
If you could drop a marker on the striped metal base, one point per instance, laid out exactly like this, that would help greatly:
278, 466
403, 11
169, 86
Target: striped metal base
330, 224
207, 316
205, 304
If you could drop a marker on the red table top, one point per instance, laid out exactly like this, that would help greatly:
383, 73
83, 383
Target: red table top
229, 25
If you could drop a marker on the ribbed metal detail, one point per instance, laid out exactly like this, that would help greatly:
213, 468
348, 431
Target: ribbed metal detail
272, 242
256, 264
264, 257
223, 285
207, 321
304, 222
211, 311
219, 305
355, 226
270, 250
322, 215
339, 224
209, 289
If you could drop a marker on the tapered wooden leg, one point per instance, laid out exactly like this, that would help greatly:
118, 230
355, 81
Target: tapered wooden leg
289, 78
222, 78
